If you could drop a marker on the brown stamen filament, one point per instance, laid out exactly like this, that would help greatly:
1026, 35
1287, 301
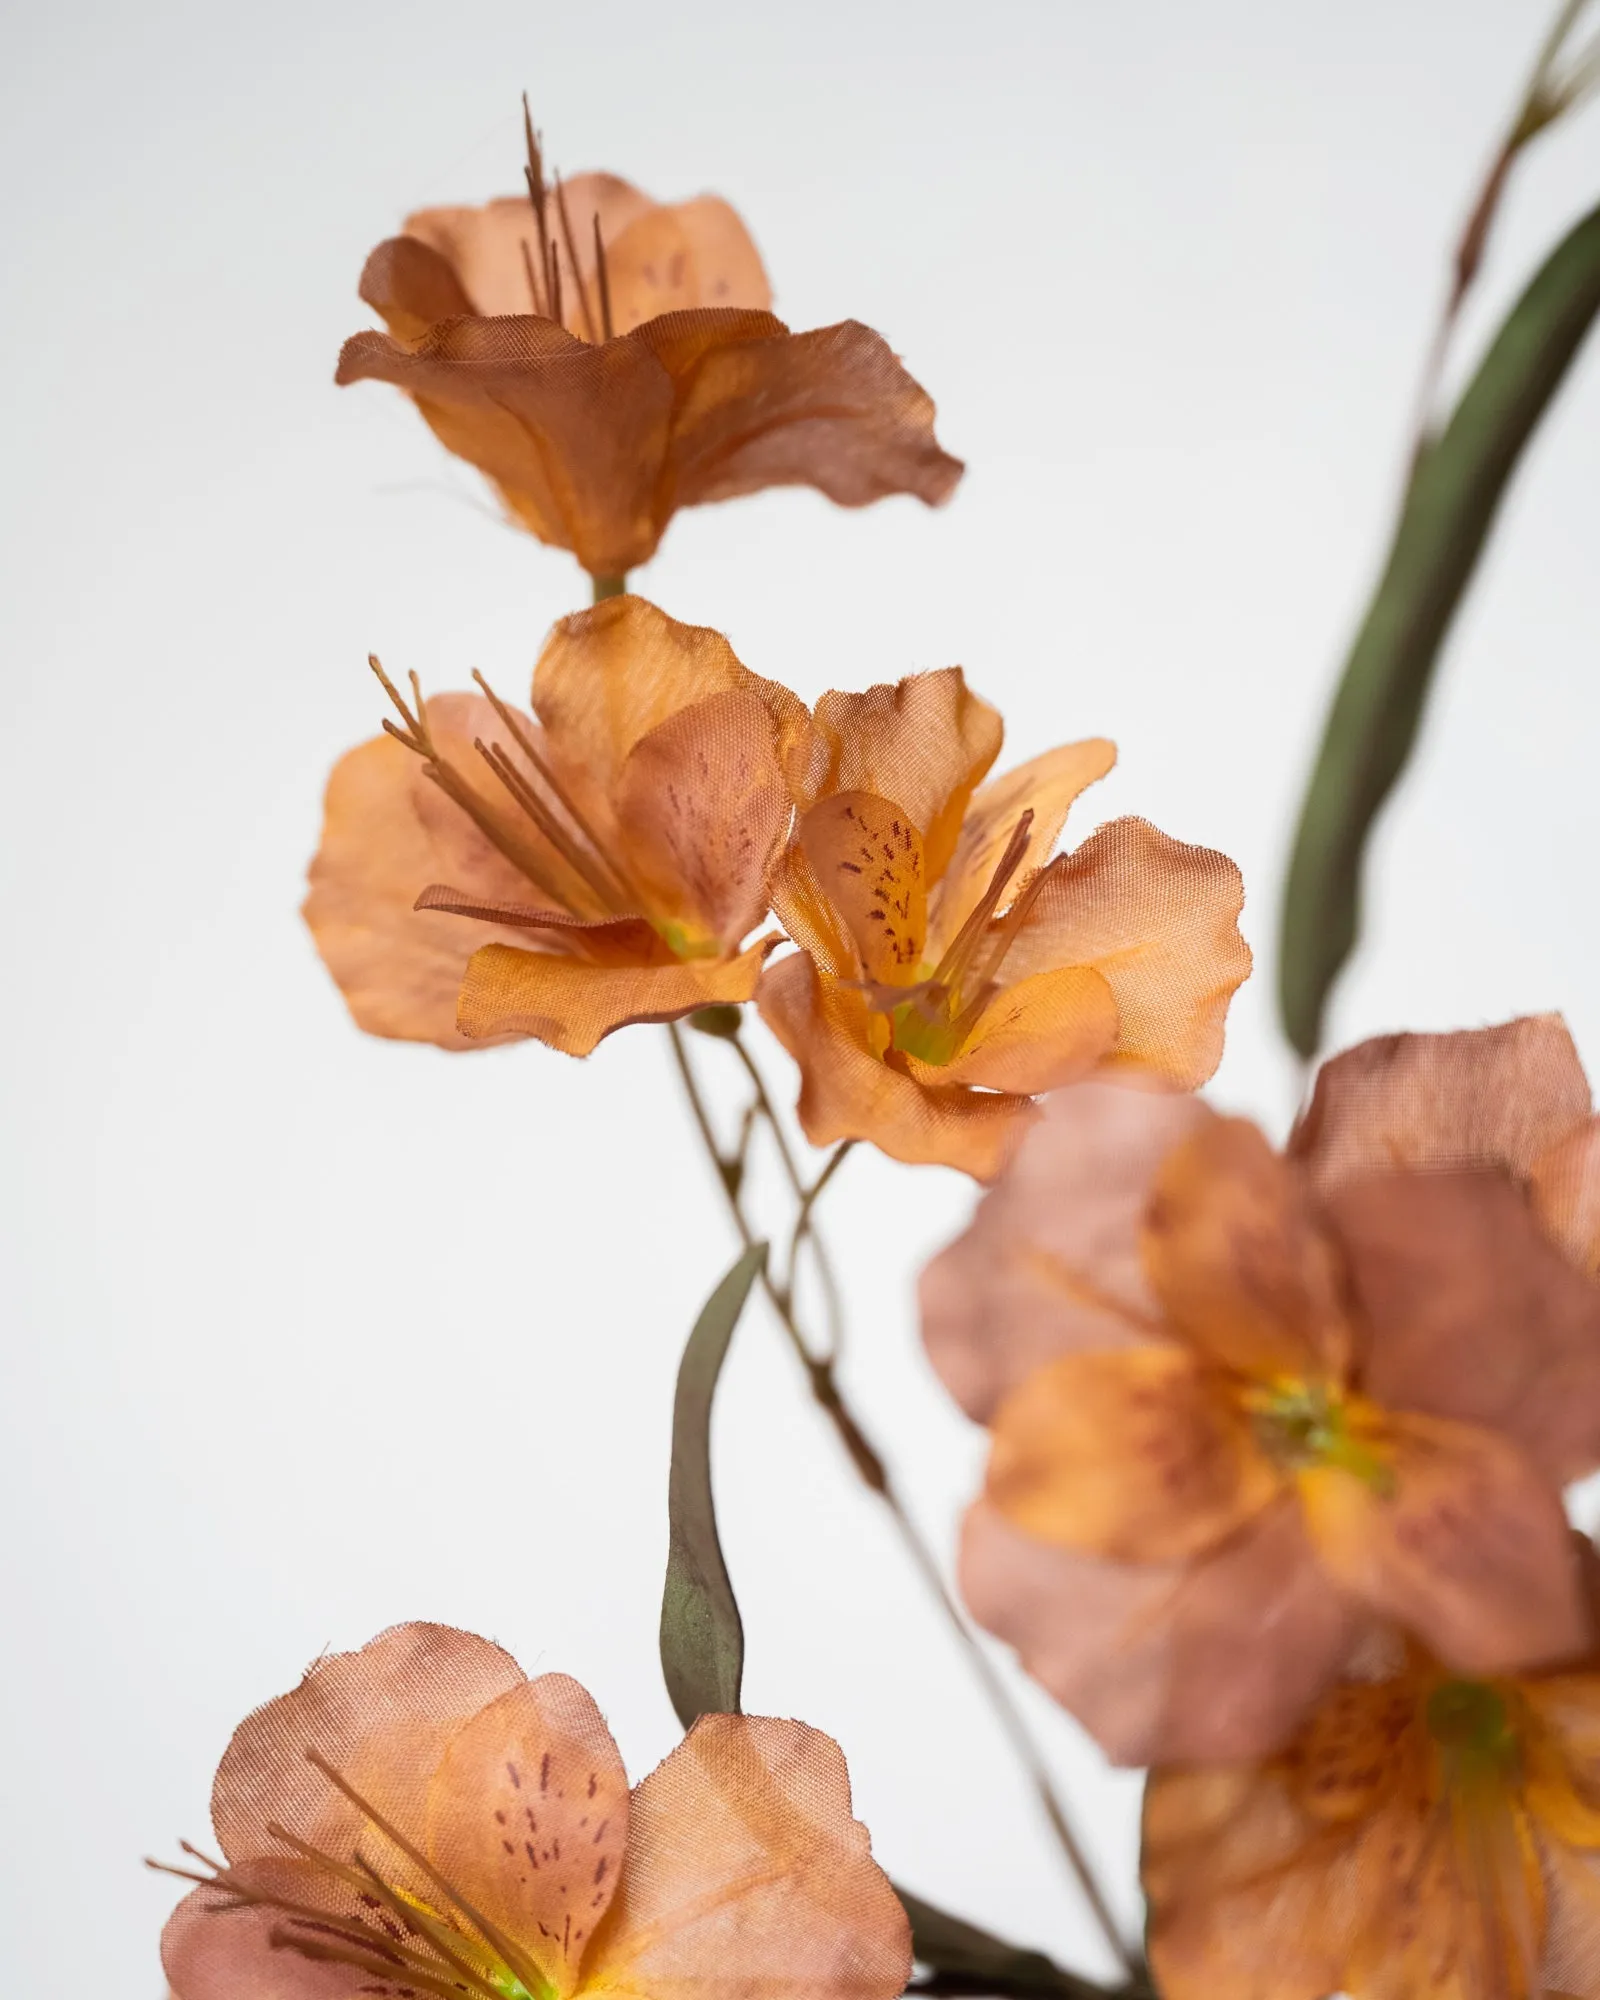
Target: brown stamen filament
533, 174
591, 331
603, 279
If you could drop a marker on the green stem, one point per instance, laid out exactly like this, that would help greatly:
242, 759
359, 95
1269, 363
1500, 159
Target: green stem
608, 586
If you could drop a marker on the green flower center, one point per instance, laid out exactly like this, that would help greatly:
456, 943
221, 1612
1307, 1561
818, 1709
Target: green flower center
1302, 1425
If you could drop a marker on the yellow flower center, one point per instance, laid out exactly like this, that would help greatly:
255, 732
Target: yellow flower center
1301, 1424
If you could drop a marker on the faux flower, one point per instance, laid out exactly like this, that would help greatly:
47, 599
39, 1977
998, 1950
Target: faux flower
1245, 1407
606, 360
1425, 1837
420, 1819
949, 969
484, 876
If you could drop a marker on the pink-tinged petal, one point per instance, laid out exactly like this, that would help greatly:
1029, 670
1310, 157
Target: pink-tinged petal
1466, 1545
1487, 1097
1159, 920
747, 1876
528, 1817
381, 1717
1564, 1186
1171, 1662
1051, 1263
573, 1007
848, 1092
1473, 1314
212, 1949
1572, 1935
1046, 786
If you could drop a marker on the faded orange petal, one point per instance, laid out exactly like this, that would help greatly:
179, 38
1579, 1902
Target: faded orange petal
925, 742
488, 246
1166, 1662
1238, 1258
1158, 919
678, 257
380, 1716
747, 1875
1473, 1313
1491, 1097
832, 409
1565, 1188
1469, 1547
1035, 1036
866, 855
1132, 1455
528, 1818
412, 287
1572, 1935
1046, 786
848, 1092
573, 1006
1051, 1262
808, 917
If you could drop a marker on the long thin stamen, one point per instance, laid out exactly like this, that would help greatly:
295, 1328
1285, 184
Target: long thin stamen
510, 1953
533, 174
958, 958
603, 277
366, 1958
547, 823
572, 258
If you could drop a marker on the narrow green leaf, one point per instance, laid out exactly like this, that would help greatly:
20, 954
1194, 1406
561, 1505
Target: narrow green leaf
1448, 511
976, 1961
702, 1641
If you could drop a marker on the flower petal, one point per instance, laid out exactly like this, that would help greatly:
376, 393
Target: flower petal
1473, 1313
1239, 1260
747, 1875
1051, 1262
1046, 786
831, 408
1564, 1186
412, 287
381, 1716
1164, 1662
573, 1007
866, 855
1492, 1097
212, 1949
1159, 920
925, 742
676, 258
528, 1817
489, 246
1038, 1035
1134, 1455
848, 1092
1470, 1549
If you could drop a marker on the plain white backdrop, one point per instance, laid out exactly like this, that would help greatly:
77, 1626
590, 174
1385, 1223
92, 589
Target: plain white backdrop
306, 1333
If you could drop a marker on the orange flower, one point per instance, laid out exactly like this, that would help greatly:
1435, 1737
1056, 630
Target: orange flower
1245, 1405
419, 1818
1424, 1837
606, 360
949, 969
483, 877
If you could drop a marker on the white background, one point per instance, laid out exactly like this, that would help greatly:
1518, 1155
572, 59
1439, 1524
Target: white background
306, 1333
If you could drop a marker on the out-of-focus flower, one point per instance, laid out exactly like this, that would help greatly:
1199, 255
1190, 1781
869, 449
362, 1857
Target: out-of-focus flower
949, 970
483, 876
606, 360
419, 1818
1425, 1837
1246, 1406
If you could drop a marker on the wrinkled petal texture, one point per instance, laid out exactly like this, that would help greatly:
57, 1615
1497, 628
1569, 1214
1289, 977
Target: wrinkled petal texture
747, 1876
848, 1092
1166, 1662
1158, 920
1473, 1314
388, 832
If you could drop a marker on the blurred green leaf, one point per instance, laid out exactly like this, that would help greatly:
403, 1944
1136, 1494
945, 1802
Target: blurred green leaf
970, 1960
1449, 507
702, 1640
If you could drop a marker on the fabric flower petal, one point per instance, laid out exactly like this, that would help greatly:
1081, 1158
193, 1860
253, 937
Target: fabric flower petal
212, 1949
1129, 1455
1158, 919
573, 1006
412, 287
490, 246
848, 1092
748, 1875
1038, 1035
867, 857
1564, 1186
675, 257
1051, 1262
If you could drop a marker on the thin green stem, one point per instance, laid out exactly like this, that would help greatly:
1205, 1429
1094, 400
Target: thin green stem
608, 586
874, 1474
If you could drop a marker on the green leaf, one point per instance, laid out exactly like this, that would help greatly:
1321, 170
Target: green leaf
702, 1640
976, 1961
1449, 509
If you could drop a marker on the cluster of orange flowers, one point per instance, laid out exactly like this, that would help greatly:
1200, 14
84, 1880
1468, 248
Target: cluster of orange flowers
1274, 1501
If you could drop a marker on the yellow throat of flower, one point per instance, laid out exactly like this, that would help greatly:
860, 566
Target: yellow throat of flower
1302, 1424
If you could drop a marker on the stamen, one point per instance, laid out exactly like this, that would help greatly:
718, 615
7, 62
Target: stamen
958, 958
572, 258
603, 277
557, 311
378, 1962
536, 809
531, 275
533, 174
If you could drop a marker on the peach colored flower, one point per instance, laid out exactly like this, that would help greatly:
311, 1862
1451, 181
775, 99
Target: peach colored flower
1244, 1406
950, 970
483, 876
606, 360
421, 1819
1424, 1837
